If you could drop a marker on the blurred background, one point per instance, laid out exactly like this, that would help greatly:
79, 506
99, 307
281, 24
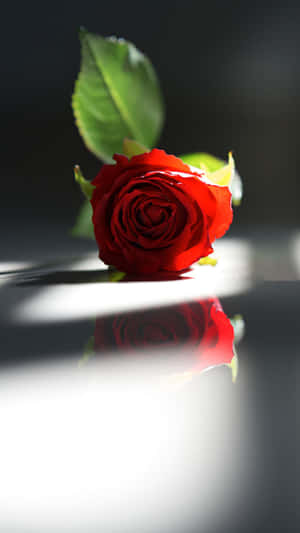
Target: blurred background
230, 76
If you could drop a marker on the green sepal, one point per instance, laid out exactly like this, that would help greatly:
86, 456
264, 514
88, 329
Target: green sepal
223, 175
85, 186
115, 275
208, 260
131, 148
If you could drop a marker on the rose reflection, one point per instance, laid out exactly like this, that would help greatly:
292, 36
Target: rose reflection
200, 329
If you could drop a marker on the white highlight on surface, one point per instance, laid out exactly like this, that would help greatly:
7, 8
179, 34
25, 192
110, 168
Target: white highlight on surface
107, 448
12, 266
78, 301
7, 267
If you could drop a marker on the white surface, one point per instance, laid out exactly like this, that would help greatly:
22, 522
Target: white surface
83, 300
113, 447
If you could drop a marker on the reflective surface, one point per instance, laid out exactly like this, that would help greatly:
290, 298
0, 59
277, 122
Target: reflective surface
117, 404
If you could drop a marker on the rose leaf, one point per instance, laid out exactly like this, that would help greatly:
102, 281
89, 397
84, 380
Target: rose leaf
218, 172
83, 226
116, 95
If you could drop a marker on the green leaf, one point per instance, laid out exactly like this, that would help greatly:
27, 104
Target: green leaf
218, 172
131, 148
202, 160
83, 226
116, 95
85, 186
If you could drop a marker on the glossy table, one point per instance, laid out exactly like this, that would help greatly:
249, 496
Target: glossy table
108, 421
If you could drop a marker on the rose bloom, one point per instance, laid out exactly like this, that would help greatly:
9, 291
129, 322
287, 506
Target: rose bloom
200, 328
153, 213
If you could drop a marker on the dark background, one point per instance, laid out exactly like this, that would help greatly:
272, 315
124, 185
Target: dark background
230, 75
229, 72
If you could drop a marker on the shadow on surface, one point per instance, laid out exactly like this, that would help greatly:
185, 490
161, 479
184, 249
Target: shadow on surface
94, 276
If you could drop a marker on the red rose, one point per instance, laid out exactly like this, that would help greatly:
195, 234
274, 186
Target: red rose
153, 212
201, 327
